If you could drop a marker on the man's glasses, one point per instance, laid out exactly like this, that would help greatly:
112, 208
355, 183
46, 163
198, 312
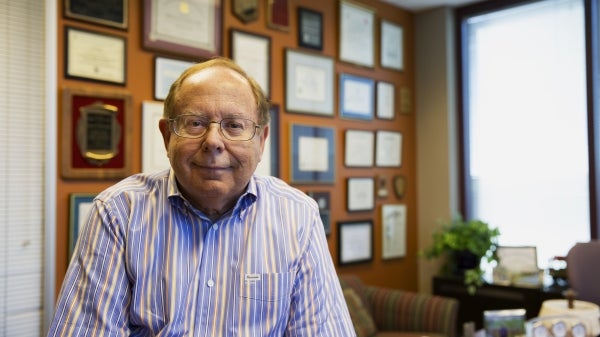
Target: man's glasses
195, 126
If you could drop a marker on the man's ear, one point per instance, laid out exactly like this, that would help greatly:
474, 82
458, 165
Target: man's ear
165, 130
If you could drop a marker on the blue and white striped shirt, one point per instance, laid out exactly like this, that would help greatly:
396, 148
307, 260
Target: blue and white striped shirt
147, 263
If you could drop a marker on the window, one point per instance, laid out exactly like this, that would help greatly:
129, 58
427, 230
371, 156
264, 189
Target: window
525, 123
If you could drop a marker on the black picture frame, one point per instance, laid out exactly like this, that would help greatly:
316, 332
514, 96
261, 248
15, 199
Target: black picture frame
112, 13
355, 242
310, 28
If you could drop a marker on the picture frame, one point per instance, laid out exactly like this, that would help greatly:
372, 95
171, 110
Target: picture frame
309, 83
252, 52
114, 13
278, 14
107, 152
517, 265
310, 28
154, 154
355, 242
359, 148
360, 194
79, 208
312, 154
393, 232
386, 106
389, 149
166, 71
96, 57
323, 199
178, 28
269, 164
357, 97
392, 45
357, 32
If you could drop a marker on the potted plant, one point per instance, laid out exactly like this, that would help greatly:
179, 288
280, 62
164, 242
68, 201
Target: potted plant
463, 244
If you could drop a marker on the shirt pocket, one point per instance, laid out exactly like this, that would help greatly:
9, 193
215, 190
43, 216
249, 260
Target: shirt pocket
267, 287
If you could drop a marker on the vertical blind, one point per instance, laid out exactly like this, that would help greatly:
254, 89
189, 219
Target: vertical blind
21, 167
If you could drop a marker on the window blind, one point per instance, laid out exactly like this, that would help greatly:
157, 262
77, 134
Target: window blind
21, 167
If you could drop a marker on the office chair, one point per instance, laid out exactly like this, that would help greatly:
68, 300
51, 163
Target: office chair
583, 260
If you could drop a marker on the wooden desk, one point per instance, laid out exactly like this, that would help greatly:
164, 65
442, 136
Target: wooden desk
492, 297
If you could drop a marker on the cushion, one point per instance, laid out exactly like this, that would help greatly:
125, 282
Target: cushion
361, 319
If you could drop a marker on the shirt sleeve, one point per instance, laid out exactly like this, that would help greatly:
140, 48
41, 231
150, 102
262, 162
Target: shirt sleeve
318, 307
95, 295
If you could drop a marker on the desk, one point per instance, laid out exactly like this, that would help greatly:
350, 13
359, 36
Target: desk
492, 297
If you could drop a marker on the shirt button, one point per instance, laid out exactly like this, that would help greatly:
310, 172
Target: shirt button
210, 283
215, 227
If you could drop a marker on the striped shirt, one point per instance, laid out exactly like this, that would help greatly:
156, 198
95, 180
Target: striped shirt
147, 263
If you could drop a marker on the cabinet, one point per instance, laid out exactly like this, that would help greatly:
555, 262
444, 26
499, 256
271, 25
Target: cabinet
492, 297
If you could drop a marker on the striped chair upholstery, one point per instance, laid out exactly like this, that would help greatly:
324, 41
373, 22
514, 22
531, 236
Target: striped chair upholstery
406, 314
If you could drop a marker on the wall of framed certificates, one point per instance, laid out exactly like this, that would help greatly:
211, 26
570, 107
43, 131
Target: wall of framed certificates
339, 73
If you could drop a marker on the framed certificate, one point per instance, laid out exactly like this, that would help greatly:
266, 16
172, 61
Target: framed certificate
357, 96
310, 28
79, 207
253, 53
312, 154
112, 13
191, 28
386, 105
309, 86
166, 71
355, 242
269, 163
154, 154
391, 46
389, 149
361, 194
393, 222
357, 31
94, 57
358, 148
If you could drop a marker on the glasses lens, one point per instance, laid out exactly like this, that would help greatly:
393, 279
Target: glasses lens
190, 126
238, 128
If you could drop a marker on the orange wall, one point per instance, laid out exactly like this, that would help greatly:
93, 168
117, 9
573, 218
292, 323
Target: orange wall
396, 273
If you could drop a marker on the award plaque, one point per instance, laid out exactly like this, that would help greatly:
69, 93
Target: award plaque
96, 128
245, 10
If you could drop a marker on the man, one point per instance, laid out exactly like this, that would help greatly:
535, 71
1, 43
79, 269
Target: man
206, 248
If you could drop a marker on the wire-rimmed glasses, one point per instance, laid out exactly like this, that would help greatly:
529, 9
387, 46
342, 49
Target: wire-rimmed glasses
195, 126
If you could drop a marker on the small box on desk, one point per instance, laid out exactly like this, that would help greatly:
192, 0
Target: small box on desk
504, 323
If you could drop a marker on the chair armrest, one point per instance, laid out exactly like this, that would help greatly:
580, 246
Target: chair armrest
409, 311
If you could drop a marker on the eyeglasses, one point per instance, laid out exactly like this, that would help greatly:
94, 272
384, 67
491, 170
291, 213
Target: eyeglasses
195, 126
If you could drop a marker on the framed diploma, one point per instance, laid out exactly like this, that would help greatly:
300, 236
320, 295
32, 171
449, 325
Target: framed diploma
253, 53
391, 46
154, 154
358, 148
309, 83
386, 105
357, 33
360, 194
389, 149
357, 97
310, 28
393, 222
166, 71
269, 163
94, 57
312, 154
191, 28
112, 13
97, 128
355, 242
79, 207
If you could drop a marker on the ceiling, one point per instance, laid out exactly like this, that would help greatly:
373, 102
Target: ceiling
421, 5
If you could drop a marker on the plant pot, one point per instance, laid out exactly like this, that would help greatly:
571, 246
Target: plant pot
465, 260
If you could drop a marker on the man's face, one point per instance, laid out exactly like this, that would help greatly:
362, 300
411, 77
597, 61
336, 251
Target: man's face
213, 171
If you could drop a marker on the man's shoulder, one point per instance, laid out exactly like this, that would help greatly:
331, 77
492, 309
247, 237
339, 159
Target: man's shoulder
140, 183
269, 185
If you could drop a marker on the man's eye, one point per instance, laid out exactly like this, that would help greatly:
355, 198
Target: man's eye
234, 125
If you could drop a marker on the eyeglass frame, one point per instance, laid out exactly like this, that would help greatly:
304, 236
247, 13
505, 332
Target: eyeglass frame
173, 119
